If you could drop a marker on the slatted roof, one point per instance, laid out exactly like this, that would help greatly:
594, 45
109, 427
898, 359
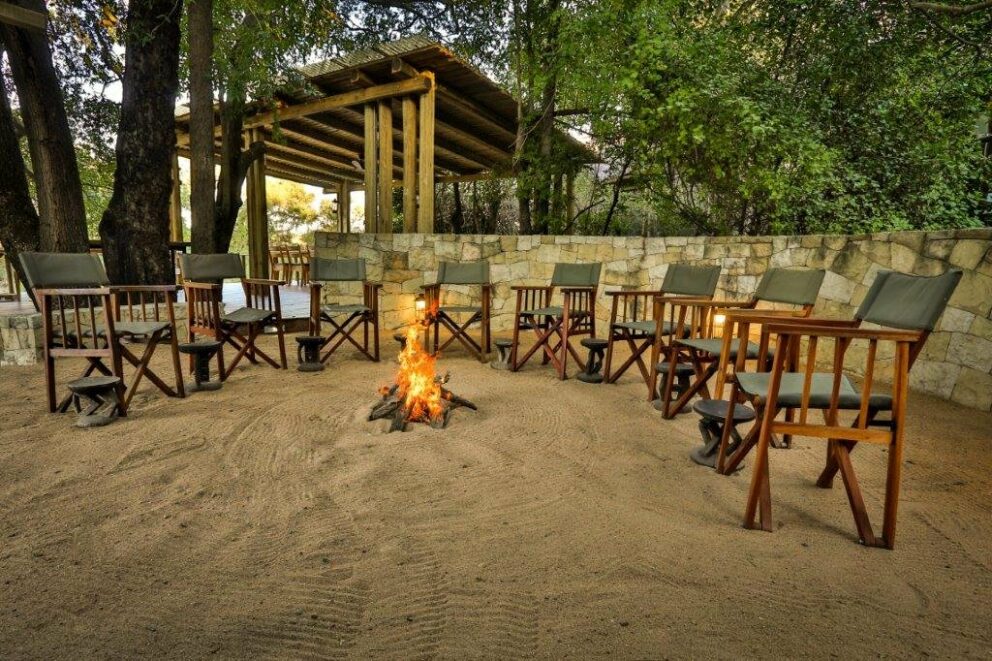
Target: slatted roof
475, 125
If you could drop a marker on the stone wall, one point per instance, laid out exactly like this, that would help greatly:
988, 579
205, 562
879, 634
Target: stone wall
956, 363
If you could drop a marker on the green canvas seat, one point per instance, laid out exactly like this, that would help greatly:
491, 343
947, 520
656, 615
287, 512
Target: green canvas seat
714, 347
473, 274
345, 319
648, 326
790, 392
246, 316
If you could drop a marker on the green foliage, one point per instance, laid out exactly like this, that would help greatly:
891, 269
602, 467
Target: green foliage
791, 116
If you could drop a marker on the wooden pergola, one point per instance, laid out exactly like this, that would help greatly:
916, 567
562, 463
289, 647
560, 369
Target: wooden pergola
408, 114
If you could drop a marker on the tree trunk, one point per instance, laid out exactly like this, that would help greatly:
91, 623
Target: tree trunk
458, 215
234, 164
201, 126
19, 224
53, 157
135, 227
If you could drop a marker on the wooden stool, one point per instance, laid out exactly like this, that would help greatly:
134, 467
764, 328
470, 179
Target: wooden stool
97, 392
713, 415
683, 372
504, 349
202, 353
597, 349
308, 353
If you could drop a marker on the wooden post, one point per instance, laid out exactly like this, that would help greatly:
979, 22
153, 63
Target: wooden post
371, 168
344, 207
258, 222
175, 204
425, 218
409, 164
385, 205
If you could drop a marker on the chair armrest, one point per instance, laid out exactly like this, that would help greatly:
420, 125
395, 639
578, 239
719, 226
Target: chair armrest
629, 292
877, 334
144, 288
90, 291
576, 290
706, 302
531, 288
263, 282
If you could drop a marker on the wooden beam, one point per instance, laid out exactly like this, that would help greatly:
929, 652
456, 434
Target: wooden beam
281, 172
409, 164
19, 17
343, 100
175, 203
425, 217
258, 222
371, 165
338, 168
344, 207
385, 205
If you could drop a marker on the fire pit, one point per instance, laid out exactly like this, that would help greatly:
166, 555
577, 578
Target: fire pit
418, 395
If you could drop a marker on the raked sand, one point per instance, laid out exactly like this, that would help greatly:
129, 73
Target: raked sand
269, 519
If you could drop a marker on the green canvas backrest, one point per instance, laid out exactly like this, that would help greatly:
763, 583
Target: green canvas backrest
323, 269
911, 302
208, 268
463, 273
689, 280
576, 275
45, 270
795, 286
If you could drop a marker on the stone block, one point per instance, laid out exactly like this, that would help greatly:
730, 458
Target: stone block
973, 389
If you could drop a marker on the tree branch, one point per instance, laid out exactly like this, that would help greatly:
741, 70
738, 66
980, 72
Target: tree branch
952, 10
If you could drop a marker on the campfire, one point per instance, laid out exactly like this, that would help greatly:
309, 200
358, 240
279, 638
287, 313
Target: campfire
418, 395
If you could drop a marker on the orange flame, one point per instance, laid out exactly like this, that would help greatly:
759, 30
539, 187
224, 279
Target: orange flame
418, 385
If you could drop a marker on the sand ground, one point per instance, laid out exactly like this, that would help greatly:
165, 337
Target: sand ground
269, 519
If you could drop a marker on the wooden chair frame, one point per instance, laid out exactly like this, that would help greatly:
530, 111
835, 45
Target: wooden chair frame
66, 334
367, 321
694, 318
841, 440
260, 294
438, 318
133, 304
631, 307
578, 317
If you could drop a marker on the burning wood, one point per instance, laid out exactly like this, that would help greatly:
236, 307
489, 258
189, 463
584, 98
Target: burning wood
419, 394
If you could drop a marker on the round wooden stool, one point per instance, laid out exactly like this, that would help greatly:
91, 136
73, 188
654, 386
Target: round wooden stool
308, 353
504, 350
597, 349
683, 372
101, 398
713, 416
202, 353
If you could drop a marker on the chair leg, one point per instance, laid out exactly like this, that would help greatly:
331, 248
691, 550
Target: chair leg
50, 381
759, 493
608, 363
174, 346
892, 480
513, 348
281, 333
854, 497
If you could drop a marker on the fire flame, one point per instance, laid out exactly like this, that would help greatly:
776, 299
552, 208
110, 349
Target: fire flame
418, 384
